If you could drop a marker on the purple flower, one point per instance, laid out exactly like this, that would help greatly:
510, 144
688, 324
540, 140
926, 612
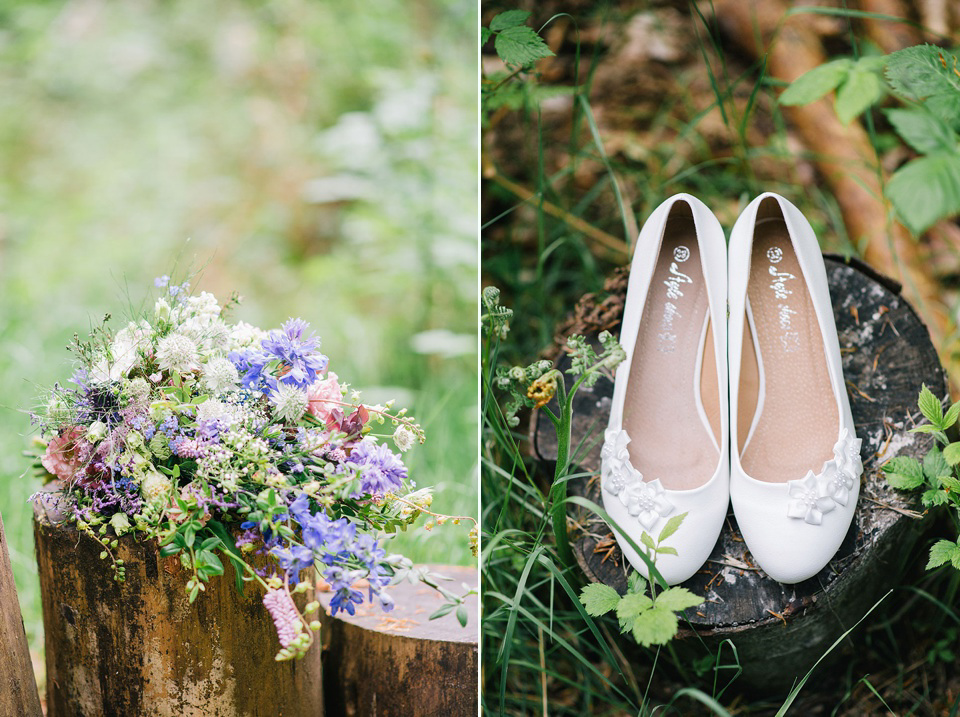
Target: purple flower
161, 281
300, 358
294, 560
381, 470
250, 365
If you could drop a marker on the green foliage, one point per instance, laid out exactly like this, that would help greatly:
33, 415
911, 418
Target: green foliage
938, 476
650, 619
858, 86
516, 44
927, 79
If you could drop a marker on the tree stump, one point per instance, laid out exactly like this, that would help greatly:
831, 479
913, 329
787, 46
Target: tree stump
138, 648
401, 663
781, 630
18, 688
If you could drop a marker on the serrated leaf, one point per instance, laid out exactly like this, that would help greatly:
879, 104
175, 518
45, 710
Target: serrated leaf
484, 35
636, 583
633, 604
951, 416
677, 599
926, 189
520, 46
904, 473
667, 550
671, 527
934, 465
860, 90
647, 540
951, 454
922, 71
933, 497
510, 18
941, 552
947, 108
814, 84
922, 130
930, 406
656, 626
599, 599
949, 483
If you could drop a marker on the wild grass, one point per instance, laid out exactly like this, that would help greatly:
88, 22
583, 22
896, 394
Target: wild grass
542, 654
136, 135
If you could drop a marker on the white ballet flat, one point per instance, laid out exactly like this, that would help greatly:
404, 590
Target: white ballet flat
666, 445
795, 457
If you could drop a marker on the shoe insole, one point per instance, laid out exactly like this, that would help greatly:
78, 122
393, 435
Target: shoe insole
670, 439
797, 424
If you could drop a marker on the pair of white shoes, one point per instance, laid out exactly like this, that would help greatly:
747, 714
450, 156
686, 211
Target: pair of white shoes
750, 409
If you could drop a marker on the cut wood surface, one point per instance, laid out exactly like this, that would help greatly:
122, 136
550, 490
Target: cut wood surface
138, 648
402, 663
780, 630
18, 687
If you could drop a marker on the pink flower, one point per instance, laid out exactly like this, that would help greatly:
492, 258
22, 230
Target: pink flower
320, 396
61, 457
286, 617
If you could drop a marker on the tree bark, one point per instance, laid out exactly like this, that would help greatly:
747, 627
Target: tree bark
18, 688
401, 663
137, 648
781, 630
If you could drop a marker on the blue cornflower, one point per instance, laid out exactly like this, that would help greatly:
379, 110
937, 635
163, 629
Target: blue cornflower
250, 365
381, 470
300, 358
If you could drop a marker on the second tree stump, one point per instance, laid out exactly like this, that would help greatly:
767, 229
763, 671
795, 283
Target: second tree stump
781, 630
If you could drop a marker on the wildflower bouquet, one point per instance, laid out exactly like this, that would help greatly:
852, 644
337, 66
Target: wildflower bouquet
223, 441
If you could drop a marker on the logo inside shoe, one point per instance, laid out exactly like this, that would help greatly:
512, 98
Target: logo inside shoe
780, 286
674, 284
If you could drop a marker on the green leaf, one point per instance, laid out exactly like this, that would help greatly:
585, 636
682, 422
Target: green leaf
922, 71
949, 483
442, 610
630, 606
941, 552
933, 497
599, 599
922, 130
860, 90
212, 562
816, 83
671, 527
930, 406
484, 35
520, 46
462, 615
677, 599
926, 190
656, 626
510, 18
904, 473
951, 416
934, 465
951, 454
667, 550
647, 540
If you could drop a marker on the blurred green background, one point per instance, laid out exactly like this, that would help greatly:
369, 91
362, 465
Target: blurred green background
320, 158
